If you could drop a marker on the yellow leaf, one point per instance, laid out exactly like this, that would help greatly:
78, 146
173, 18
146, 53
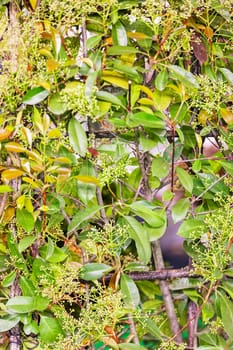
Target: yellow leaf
87, 179
34, 184
54, 133
44, 208
147, 91
203, 117
44, 84
20, 202
46, 53
227, 115
8, 215
28, 205
14, 147
137, 35
87, 61
121, 82
28, 135
11, 174
63, 171
34, 156
5, 133
64, 160
52, 65
146, 101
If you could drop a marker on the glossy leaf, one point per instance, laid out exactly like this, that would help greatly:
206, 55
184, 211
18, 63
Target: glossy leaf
5, 189
228, 75
119, 50
81, 216
185, 77
161, 80
35, 96
93, 41
11, 174
25, 219
129, 291
160, 167
130, 346
146, 120
56, 105
77, 137
119, 34
94, 271
50, 329
8, 322
108, 97
9, 279
27, 287
25, 304
14, 147
185, 179
180, 209
26, 242
226, 308
140, 235
146, 212
191, 228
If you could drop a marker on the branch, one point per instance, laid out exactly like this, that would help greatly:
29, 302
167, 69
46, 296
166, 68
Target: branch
192, 324
167, 297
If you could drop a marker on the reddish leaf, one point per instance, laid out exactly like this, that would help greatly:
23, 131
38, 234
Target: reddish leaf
199, 49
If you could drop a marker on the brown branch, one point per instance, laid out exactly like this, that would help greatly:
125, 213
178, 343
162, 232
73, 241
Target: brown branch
84, 37
167, 297
192, 324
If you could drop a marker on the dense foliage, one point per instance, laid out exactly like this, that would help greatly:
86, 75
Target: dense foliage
107, 110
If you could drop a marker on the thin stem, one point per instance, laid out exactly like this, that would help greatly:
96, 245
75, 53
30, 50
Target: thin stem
167, 297
133, 329
209, 187
84, 37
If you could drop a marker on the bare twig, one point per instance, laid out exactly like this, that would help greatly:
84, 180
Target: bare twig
192, 324
167, 297
133, 329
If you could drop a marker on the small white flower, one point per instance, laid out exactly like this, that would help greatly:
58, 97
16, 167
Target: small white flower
157, 20
132, 19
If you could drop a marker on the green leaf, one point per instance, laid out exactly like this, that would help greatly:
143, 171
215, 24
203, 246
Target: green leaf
77, 137
108, 97
56, 105
27, 287
185, 179
25, 304
93, 41
50, 329
8, 322
129, 346
228, 75
187, 78
160, 167
9, 279
5, 188
121, 50
94, 271
226, 308
25, 219
57, 255
130, 291
139, 234
35, 95
119, 35
161, 101
228, 166
180, 209
87, 191
153, 329
161, 80
146, 212
191, 228
147, 120
26, 242
82, 216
